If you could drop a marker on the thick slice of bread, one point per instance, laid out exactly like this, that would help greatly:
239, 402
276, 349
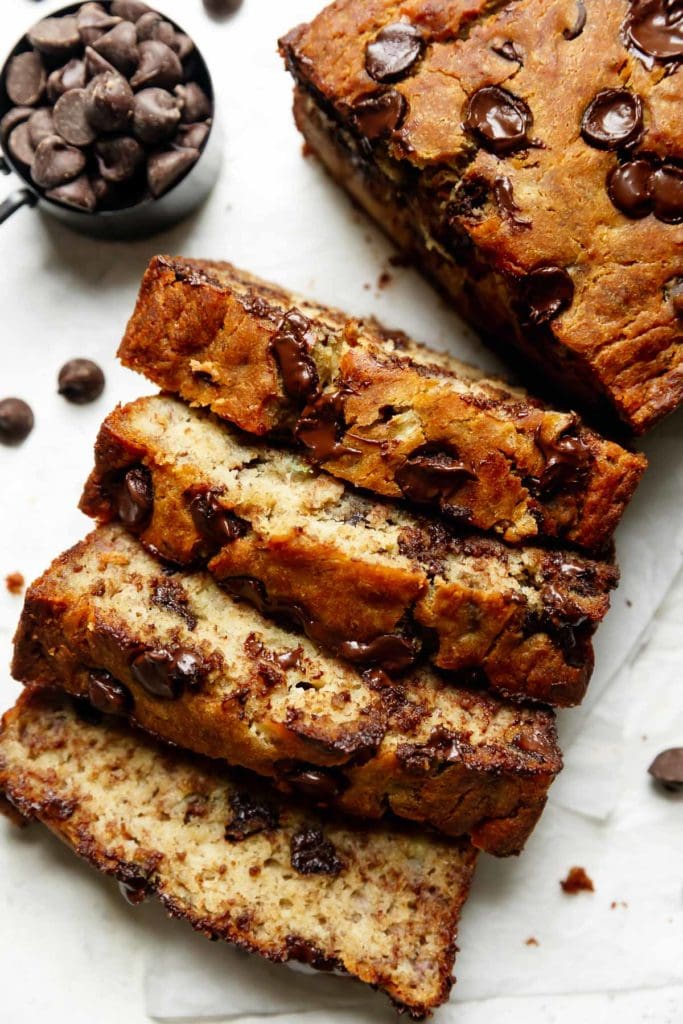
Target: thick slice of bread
370, 580
195, 667
374, 408
236, 860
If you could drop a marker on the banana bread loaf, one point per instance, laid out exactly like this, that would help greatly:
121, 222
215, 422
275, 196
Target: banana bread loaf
376, 409
527, 154
369, 580
191, 665
236, 860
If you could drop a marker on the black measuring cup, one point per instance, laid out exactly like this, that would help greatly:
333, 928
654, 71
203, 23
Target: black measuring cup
143, 218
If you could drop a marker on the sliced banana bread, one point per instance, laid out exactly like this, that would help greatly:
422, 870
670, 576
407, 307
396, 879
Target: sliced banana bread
374, 408
193, 666
366, 578
235, 859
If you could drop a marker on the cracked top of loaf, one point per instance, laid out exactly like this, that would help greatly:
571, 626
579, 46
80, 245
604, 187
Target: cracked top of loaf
551, 135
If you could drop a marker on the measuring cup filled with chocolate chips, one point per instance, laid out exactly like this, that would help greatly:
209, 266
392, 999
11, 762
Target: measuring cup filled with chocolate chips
107, 115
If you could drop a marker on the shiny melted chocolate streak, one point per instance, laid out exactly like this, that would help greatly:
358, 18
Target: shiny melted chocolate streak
547, 292
290, 346
321, 428
431, 472
393, 52
379, 113
579, 24
567, 464
509, 51
613, 119
654, 29
134, 498
393, 652
504, 196
166, 674
107, 694
498, 119
216, 524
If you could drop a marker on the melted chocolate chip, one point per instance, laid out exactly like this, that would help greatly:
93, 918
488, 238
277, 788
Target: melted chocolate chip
509, 51
504, 196
393, 52
291, 346
166, 674
289, 659
216, 524
312, 854
667, 769
498, 120
655, 29
107, 694
629, 187
393, 652
580, 23
16, 420
249, 816
667, 193
431, 472
170, 595
614, 118
135, 498
547, 292
379, 113
567, 462
80, 381
316, 784
321, 427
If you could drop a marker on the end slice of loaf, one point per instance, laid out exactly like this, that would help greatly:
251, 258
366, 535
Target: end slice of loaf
375, 408
236, 860
191, 665
370, 580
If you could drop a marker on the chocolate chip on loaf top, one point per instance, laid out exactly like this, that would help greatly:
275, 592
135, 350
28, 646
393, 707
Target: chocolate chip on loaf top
529, 155
376, 409
239, 862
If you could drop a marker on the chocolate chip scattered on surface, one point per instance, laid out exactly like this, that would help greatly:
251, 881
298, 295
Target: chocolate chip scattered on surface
81, 381
16, 420
667, 769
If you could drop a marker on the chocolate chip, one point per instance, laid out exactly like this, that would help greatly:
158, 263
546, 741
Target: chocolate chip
56, 37
667, 769
155, 115
25, 79
194, 103
153, 26
291, 346
16, 420
96, 64
118, 158
614, 118
432, 471
14, 116
20, 144
580, 23
80, 381
135, 498
312, 854
509, 51
71, 76
93, 21
667, 193
393, 52
316, 784
392, 652
213, 521
109, 102
568, 458
655, 28
379, 113
40, 125
120, 47
159, 65
165, 169
55, 163
629, 186
71, 120
504, 196
131, 10
107, 694
165, 674
547, 292
497, 119
221, 8
183, 45
250, 815
78, 193
191, 136
321, 428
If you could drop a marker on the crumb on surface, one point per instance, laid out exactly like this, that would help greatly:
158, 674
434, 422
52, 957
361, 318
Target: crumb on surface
15, 582
618, 903
532, 941
577, 881
629, 602
384, 280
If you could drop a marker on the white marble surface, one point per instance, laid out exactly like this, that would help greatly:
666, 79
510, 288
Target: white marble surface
70, 950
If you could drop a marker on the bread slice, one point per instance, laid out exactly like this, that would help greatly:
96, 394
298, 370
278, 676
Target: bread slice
190, 664
235, 859
374, 408
371, 581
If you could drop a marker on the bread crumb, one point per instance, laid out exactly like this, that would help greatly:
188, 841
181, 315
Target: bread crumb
15, 582
384, 280
531, 941
577, 881
618, 903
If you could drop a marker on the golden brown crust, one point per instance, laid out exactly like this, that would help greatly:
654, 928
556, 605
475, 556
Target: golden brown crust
452, 757
350, 569
81, 780
437, 189
205, 332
